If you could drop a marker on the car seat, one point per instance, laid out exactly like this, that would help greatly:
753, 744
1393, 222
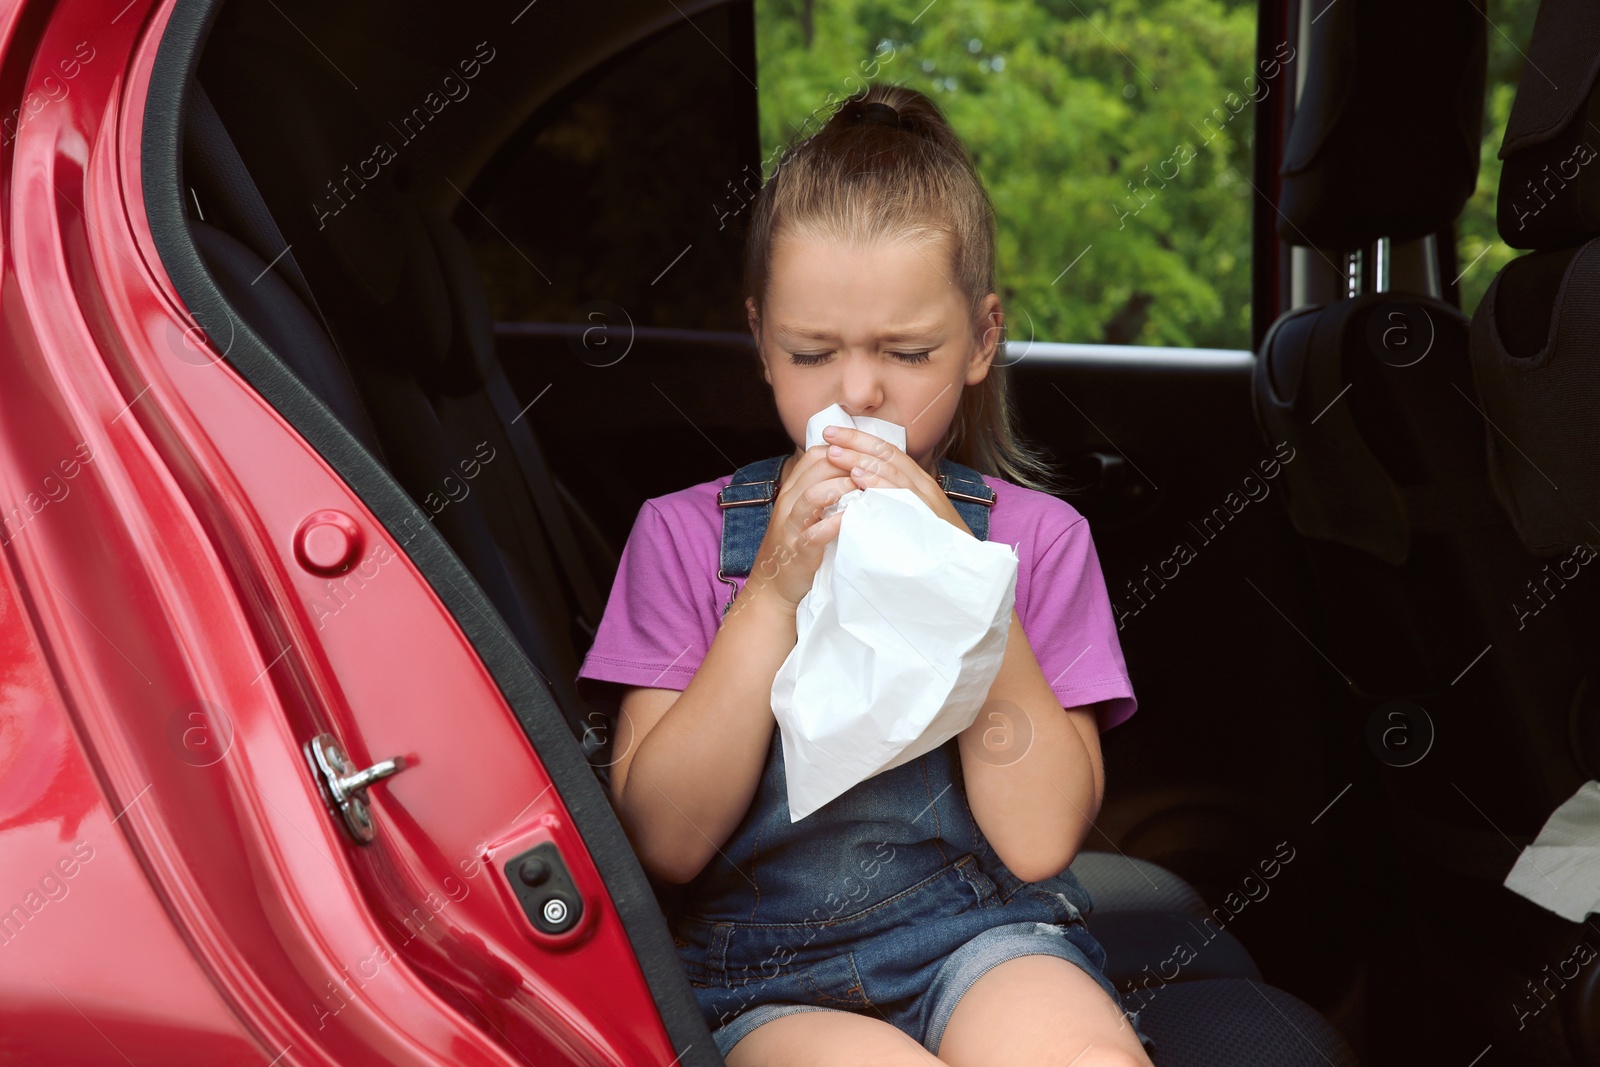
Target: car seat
1534, 363
1395, 491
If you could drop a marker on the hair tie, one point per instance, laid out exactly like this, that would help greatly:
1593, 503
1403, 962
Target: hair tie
878, 113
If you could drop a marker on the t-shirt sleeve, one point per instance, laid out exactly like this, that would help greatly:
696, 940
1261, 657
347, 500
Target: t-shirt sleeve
1071, 629
652, 632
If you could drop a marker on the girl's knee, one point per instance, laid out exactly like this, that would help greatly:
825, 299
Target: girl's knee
1100, 1056
829, 1039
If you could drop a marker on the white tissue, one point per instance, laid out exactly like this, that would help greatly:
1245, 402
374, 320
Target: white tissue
834, 415
1560, 871
898, 641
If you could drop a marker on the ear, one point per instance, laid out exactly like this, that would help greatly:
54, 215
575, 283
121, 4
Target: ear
994, 321
754, 321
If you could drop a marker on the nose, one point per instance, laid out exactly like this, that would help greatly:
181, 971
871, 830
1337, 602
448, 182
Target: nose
860, 388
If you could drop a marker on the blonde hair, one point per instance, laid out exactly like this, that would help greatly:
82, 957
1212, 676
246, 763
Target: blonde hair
864, 182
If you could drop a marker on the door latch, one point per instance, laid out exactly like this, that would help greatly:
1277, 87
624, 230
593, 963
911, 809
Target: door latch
343, 787
544, 887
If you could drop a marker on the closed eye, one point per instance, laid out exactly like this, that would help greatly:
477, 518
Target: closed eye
810, 359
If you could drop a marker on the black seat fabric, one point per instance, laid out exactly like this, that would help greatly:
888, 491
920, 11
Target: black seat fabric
1534, 331
273, 308
1533, 346
1390, 486
1549, 194
1422, 576
1236, 1022
1151, 949
1361, 477
1544, 397
1153, 924
1125, 883
1533, 340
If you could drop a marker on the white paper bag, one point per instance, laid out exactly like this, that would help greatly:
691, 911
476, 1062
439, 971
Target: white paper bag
1560, 871
897, 643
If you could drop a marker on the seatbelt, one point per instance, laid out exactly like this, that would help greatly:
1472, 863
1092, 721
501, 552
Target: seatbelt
251, 220
546, 500
223, 168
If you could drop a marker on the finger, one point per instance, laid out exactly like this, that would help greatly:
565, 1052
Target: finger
870, 471
823, 495
844, 458
849, 436
857, 448
812, 459
823, 530
861, 441
808, 471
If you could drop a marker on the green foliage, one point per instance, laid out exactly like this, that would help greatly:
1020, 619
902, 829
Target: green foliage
1104, 129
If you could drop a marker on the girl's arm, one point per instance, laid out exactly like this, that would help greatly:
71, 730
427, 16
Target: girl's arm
697, 756
1036, 809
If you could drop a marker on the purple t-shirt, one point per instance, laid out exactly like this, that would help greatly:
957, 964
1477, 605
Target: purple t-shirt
666, 602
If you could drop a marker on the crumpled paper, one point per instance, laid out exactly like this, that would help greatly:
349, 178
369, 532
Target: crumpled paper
898, 641
1560, 871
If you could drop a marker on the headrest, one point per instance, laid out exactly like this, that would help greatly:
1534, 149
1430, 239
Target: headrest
1385, 137
1550, 183
1345, 495
1344, 387
1544, 453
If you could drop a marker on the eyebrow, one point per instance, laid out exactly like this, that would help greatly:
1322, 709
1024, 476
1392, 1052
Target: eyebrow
907, 333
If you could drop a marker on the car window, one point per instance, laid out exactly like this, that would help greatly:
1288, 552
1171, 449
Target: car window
1115, 140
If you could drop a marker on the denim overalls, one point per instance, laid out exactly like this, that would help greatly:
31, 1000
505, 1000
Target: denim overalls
857, 905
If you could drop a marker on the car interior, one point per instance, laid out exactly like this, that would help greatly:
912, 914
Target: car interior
1353, 710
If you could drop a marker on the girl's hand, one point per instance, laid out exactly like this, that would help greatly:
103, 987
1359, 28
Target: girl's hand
791, 550
875, 463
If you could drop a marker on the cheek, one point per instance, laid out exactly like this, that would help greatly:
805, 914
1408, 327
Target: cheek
797, 399
921, 438
938, 411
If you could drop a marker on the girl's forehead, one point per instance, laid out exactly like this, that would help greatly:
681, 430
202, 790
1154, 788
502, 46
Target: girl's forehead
802, 248
901, 280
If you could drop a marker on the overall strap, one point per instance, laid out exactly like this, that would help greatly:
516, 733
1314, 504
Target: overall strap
747, 502
971, 495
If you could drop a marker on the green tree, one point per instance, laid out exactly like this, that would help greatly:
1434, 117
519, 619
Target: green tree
1114, 138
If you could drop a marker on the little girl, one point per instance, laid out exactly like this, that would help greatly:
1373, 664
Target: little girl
927, 914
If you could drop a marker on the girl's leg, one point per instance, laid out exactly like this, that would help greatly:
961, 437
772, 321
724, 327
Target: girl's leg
1039, 1010
830, 1039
